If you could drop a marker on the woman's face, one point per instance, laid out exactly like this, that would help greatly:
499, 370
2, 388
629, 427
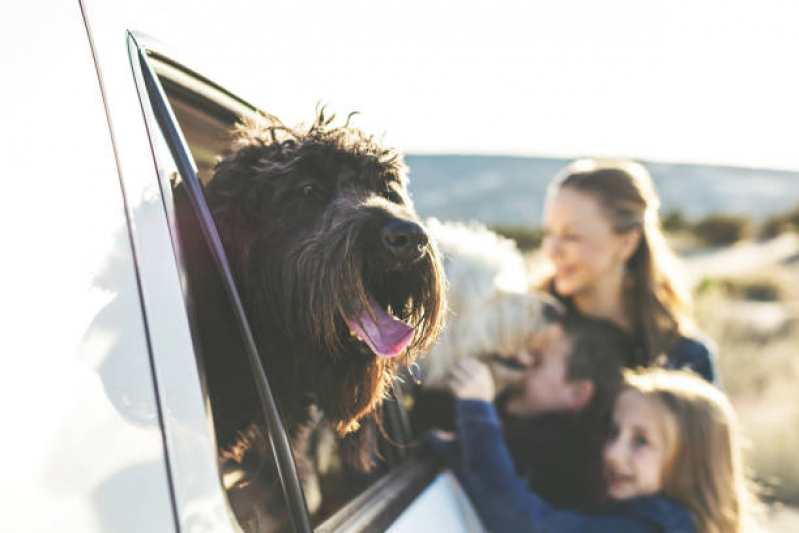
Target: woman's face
581, 243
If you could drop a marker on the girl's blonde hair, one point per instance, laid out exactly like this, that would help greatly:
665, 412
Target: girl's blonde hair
704, 468
657, 299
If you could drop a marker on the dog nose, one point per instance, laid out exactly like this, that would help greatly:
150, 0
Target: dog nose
404, 239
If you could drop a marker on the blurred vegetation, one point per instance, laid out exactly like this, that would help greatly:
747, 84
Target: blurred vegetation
759, 370
780, 223
721, 229
674, 220
716, 229
527, 238
755, 288
754, 319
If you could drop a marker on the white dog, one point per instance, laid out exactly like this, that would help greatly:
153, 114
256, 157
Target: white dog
492, 311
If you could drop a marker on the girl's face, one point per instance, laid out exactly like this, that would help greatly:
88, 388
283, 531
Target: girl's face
637, 447
581, 243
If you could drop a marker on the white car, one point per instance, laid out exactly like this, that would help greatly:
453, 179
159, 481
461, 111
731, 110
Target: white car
105, 420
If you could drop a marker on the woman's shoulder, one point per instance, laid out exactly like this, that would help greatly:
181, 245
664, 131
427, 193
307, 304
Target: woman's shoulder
696, 352
695, 344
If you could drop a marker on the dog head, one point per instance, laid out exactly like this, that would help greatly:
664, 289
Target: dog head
339, 279
494, 315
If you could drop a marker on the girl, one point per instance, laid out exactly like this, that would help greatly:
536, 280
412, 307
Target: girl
610, 260
672, 460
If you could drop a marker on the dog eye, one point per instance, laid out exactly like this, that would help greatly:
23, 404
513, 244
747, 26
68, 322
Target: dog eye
308, 190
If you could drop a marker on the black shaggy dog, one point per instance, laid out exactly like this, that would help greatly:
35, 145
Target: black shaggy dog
340, 284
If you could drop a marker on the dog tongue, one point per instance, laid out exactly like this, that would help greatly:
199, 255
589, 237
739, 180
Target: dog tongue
387, 337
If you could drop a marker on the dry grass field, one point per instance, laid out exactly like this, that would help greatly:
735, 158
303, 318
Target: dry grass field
747, 300
751, 310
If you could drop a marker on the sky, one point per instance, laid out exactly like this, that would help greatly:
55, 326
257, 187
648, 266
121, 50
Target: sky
679, 80
697, 81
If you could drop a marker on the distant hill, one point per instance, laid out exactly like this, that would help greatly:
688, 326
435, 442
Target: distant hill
510, 190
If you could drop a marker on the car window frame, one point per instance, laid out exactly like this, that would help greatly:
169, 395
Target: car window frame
178, 148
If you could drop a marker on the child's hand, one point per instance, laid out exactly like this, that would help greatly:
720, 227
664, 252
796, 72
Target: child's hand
471, 380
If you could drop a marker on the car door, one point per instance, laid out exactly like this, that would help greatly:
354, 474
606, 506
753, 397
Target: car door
82, 440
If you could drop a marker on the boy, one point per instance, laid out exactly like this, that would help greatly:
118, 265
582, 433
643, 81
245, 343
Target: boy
554, 417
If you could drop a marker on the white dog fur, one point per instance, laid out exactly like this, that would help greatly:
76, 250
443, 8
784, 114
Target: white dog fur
491, 307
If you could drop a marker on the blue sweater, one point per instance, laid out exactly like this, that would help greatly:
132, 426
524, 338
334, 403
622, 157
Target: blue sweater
484, 467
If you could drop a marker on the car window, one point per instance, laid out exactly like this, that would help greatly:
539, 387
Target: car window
205, 114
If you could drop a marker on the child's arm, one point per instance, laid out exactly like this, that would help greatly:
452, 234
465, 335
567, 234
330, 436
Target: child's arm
485, 468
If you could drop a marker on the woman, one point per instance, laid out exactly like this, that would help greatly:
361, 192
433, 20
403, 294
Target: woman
611, 261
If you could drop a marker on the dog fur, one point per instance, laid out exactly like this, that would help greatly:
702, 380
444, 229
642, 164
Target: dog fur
323, 240
493, 314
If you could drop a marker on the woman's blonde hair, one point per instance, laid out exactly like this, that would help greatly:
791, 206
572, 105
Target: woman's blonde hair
704, 469
657, 299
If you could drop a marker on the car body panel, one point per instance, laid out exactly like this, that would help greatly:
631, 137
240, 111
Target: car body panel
199, 500
443, 506
82, 437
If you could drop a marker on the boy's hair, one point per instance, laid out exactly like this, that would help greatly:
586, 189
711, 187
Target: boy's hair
703, 469
598, 352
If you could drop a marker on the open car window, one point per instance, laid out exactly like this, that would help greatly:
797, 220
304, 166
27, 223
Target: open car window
190, 120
